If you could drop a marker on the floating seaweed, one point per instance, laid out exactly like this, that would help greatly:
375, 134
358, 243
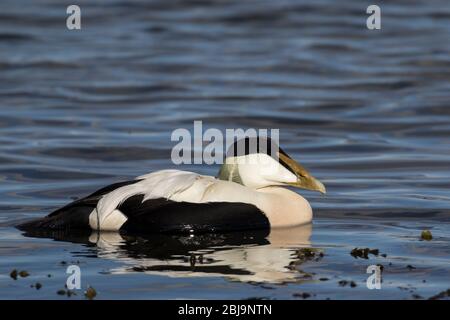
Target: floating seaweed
363, 252
303, 295
13, 274
344, 283
306, 254
70, 293
426, 235
90, 293
23, 274
37, 286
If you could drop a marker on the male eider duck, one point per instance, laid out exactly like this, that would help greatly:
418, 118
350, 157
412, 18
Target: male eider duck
249, 193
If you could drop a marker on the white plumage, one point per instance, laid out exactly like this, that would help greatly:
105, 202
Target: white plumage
159, 184
282, 206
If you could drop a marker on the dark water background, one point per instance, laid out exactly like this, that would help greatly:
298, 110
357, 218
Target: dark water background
368, 112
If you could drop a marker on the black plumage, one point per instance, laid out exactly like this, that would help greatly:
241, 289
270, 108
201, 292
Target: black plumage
166, 216
75, 215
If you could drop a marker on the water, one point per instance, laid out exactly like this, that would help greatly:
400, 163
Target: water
367, 112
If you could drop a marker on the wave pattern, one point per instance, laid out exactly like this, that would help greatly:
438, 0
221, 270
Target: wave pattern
366, 111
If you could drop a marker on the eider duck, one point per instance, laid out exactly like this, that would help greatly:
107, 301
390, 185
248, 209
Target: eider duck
249, 193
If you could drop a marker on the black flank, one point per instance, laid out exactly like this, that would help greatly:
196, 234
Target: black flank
166, 216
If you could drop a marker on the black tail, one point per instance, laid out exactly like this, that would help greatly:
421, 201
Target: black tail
74, 216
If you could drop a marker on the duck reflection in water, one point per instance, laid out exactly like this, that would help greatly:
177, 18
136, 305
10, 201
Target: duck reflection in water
258, 256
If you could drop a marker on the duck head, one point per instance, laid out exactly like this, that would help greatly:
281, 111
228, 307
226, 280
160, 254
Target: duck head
258, 162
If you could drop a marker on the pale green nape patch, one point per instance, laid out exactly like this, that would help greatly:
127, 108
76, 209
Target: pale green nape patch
230, 172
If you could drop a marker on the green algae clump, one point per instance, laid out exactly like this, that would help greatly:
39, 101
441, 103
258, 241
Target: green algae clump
426, 235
